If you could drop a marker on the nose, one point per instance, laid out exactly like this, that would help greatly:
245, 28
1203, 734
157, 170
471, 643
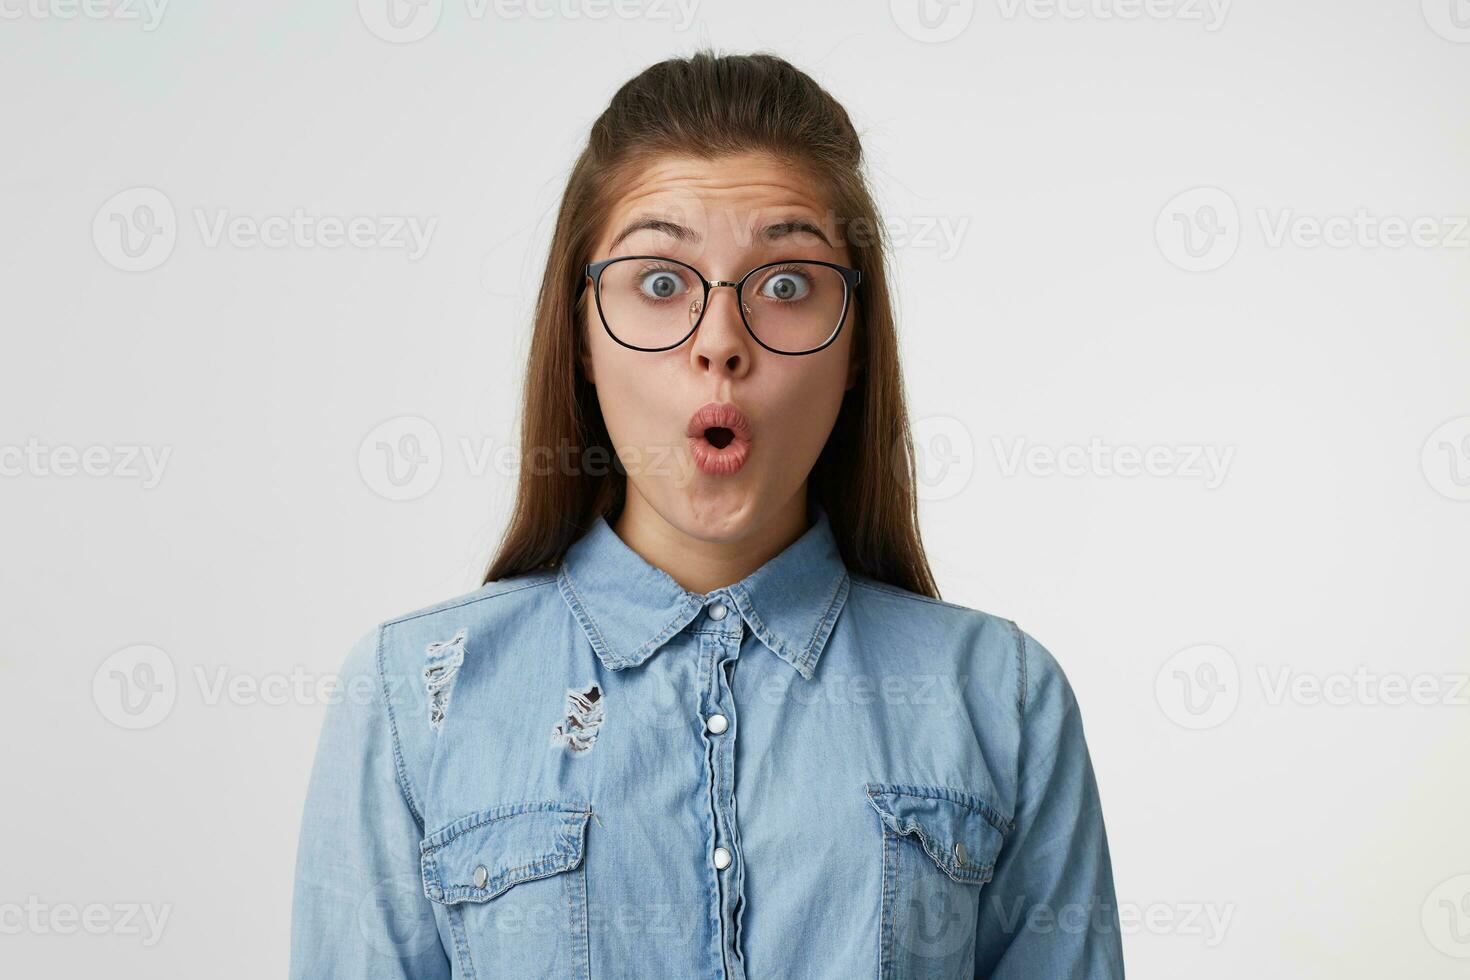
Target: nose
721, 342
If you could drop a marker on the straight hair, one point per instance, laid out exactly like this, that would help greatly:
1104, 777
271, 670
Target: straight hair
707, 106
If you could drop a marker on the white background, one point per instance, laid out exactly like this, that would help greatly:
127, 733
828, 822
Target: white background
1031, 160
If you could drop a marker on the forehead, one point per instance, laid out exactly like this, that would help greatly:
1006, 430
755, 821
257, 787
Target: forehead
726, 194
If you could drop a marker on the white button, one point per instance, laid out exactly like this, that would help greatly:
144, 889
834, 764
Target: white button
722, 858
481, 876
716, 724
717, 611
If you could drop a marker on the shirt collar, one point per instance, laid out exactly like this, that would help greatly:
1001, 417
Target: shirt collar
629, 609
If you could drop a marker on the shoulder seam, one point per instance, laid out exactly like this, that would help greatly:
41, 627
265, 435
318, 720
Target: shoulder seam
471, 600
1021, 668
873, 585
400, 768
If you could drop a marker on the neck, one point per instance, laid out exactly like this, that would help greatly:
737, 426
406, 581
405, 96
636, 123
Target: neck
704, 559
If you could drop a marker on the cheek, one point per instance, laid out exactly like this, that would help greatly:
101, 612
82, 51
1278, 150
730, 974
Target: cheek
809, 400
629, 392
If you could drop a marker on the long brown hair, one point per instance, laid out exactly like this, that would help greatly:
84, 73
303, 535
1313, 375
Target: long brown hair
709, 105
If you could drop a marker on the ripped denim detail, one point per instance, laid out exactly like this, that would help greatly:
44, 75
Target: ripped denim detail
444, 660
584, 714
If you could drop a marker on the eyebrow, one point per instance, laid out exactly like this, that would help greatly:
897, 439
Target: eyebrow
770, 233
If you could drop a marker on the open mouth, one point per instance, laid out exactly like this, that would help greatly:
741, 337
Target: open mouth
719, 438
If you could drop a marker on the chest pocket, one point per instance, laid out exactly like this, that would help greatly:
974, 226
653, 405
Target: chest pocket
939, 848
514, 887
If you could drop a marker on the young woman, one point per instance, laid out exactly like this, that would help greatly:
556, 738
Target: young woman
708, 717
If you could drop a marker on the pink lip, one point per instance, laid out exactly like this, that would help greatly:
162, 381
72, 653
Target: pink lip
710, 459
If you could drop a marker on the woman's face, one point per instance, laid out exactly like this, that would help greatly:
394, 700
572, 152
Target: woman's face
716, 474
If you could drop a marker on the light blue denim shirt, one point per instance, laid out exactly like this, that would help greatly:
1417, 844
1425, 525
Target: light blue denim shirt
593, 773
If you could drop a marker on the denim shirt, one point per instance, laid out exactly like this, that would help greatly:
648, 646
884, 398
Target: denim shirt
591, 772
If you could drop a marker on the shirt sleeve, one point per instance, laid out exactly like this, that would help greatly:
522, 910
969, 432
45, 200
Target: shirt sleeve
1050, 910
359, 908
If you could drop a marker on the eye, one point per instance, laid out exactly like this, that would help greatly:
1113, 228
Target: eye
786, 285
660, 284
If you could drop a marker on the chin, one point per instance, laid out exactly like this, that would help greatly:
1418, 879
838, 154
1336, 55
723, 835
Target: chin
720, 514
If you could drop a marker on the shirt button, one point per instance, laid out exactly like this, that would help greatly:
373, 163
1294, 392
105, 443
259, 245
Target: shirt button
959, 852
717, 611
481, 876
716, 724
722, 858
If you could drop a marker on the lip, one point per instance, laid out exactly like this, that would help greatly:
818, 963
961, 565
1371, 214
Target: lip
716, 461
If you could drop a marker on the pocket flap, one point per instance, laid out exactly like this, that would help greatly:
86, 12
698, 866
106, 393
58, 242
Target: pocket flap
478, 856
961, 833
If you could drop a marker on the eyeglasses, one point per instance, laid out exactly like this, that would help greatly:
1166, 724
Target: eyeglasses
653, 303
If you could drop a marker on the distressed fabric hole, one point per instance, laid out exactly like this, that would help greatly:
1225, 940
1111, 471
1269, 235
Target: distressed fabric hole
444, 660
584, 714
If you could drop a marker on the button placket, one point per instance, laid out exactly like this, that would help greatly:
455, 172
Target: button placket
719, 724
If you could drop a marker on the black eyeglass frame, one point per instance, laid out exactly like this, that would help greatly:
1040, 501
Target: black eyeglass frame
850, 280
